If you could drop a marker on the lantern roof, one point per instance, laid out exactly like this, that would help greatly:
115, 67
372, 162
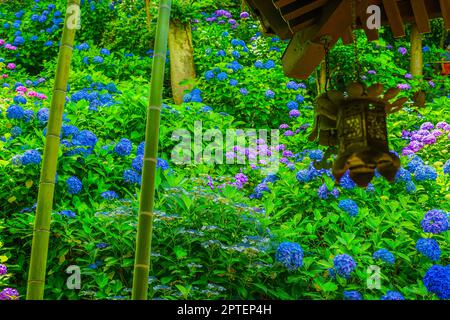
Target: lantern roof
306, 22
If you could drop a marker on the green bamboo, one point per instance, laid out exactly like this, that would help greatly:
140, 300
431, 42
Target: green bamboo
145, 223
41, 231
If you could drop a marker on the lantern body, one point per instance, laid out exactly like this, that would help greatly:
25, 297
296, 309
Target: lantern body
356, 122
363, 142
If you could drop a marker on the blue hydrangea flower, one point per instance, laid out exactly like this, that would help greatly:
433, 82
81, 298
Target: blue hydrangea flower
446, 167
209, 75
187, 98
68, 213
85, 138
20, 100
316, 155
222, 76
290, 254
97, 59
31, 157
123, 147
291, 105
403, 175
42, 115
322, 192
349, 206
437, 281
16, 131
105, 52
110, 195
69, 130
435, 221
410, 187
28, 115
131, 177
163, 164
424, 172
14, 112
347, 182
384, 255
74, 185
259, 190
137, 163
269, 64
344, 265
392, 295
140, 148
233, 82
429, 248
414, 163
303, 176
352, 295
270, 94
259, 64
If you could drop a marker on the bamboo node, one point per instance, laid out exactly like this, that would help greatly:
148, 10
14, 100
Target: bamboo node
147, 213
47, 182
67, 46
155, 108
42, 230
53, 136
143, 266
150, 159
36, 281
159, 54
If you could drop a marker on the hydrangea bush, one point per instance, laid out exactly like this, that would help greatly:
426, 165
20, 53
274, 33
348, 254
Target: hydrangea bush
221, 231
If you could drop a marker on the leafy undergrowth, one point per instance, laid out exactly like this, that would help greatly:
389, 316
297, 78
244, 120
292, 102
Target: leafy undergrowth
248, 231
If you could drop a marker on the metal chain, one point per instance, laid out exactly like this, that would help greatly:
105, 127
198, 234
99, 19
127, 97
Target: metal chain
327, 62
357, 66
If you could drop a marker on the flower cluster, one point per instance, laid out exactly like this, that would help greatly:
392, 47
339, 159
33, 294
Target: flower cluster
344, 265
384, 255
74, 185
435, 221
392, 295
437, 281
429, 248
290, 254
349, 206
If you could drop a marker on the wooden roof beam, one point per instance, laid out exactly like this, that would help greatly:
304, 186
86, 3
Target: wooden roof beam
303, 25
305, 51
283, 3
347, 36
445, 8
270, 18
305, 9
394, 17
371, 34
421, 15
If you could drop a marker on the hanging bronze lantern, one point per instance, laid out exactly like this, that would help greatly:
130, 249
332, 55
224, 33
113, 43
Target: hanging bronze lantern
355, 120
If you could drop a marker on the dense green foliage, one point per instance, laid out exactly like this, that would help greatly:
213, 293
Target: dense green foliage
213, 237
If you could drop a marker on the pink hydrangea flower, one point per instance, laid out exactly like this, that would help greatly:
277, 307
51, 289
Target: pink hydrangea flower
11, 66
21, 89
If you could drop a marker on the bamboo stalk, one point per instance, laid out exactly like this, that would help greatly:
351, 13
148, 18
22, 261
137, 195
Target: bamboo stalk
145, 223
416, 67
41, 232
